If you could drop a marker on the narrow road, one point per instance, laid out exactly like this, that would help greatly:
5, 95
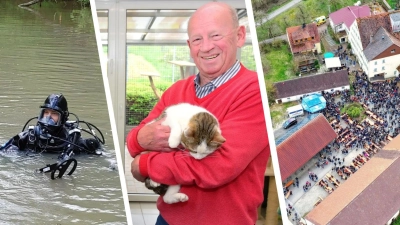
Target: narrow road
280, 10
281, 37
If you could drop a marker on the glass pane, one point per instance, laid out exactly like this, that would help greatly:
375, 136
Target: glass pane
168, 36
154, 61
102, 16
138, 22
170, 23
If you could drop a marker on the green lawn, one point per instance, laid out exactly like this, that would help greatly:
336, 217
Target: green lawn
279, 64
278, 112
155, 59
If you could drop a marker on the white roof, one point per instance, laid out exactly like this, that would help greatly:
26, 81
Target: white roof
294, 108
332, 62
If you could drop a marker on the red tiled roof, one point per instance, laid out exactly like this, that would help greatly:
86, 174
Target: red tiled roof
359, 200
298, 33
368, 26
300, 147
349, 14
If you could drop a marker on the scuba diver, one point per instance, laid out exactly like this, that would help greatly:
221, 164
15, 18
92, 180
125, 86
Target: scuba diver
54, 133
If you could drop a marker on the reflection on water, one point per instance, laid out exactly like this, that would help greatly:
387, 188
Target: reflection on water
52, 49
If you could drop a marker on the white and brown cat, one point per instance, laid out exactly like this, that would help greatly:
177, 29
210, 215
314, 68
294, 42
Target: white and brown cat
198, 131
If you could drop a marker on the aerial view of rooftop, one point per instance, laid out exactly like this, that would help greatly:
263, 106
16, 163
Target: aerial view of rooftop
332, 75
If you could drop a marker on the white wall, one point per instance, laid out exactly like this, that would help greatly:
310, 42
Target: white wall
369, 67
389, 64
393, 217
309, 222
318, 47
297, 97
356, 46
337, 27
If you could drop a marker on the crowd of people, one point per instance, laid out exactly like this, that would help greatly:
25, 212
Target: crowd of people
381, 123
380, 101
312, 176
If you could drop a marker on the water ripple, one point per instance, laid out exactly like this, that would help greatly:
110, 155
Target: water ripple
39, 56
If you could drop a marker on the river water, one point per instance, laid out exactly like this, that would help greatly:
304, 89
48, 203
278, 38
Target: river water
44, 50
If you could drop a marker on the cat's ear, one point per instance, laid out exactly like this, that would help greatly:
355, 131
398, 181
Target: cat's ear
218, 139
189, 133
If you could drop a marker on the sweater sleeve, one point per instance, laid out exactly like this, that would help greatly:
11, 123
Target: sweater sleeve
242, 125
133, 146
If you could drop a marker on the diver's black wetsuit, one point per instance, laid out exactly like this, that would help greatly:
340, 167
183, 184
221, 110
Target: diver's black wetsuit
53, 133
66, 142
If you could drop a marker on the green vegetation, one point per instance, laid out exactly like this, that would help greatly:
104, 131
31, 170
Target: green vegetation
316, 64
277, 5
277, 61
278, 65
332, 34
276, 116
354, 110
304, 12
140, 98
392, 3
83, 19
278, 112
268, 5
138, 103
396, 221
155, 59
276, 57
83, 3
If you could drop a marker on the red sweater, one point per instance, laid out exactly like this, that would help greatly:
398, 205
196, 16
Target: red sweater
227, 186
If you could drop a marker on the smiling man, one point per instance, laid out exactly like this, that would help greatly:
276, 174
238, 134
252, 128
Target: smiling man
213, 42
227, 187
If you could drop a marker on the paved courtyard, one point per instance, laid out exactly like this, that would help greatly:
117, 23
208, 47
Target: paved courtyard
304, 201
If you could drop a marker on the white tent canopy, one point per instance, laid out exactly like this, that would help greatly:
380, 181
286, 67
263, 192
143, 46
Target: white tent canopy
332, 62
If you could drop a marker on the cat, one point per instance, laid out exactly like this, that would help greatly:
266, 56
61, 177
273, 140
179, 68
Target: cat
198, 131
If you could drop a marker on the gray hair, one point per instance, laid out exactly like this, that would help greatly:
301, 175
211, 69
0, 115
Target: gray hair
234, 16
232, 11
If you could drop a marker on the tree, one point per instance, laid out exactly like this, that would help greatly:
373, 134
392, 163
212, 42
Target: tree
302, 16
27, 4
271, 92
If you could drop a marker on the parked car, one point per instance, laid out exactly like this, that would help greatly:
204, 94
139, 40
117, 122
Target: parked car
288, 123
320, 20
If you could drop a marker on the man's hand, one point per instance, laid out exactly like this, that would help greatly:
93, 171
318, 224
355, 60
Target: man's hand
154, 136
135, 169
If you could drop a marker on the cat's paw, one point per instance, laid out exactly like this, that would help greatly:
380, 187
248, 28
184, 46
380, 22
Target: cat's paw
173, 142
178, 197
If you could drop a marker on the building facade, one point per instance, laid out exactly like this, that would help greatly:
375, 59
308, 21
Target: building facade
375, 41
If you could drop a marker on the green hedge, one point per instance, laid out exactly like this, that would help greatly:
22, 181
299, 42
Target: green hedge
140, 99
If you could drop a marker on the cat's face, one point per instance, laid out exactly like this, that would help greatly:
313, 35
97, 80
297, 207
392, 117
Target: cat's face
202, 136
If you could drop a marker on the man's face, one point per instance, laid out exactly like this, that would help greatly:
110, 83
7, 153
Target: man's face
51, 113
213, 41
